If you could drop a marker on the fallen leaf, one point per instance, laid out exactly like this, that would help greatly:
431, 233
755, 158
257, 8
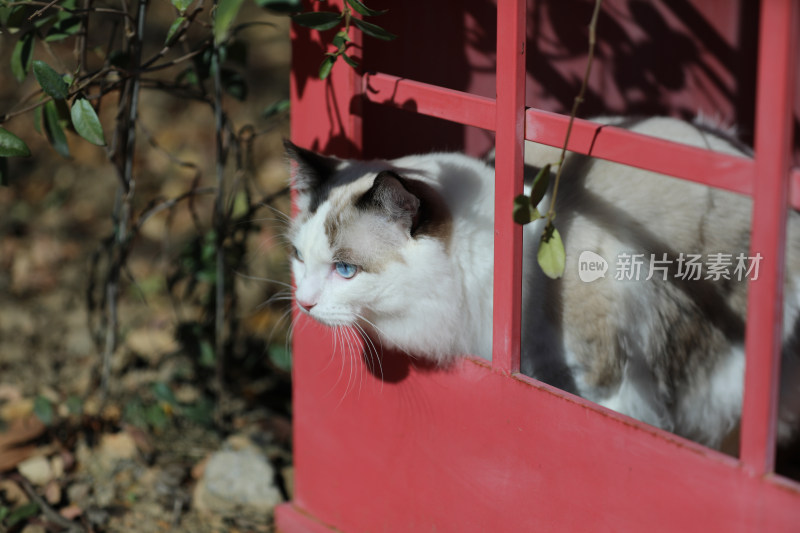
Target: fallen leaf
12, 449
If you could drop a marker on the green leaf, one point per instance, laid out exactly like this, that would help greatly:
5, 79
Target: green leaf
155, 416
14, 18
173, 29
86, 123
234, 83
374, 30
524, 212
201, 412
54, 129
278, 107
318, 20
364, 10
37, 118
164, 394
281, 6
43, 410
223, 17
281, 357
182, 5
63, 29
207, 355
50, 80
22, 513
12, 146
22, 56
552, 257
326, 66
540, 184
74, 405
339, 39
349, 60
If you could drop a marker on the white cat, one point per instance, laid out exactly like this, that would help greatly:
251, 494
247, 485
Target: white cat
403, 250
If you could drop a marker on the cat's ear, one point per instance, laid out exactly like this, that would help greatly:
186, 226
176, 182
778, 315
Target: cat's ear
311, 175
390, 198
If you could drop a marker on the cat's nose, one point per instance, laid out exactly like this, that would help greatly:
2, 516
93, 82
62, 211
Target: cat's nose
306, 306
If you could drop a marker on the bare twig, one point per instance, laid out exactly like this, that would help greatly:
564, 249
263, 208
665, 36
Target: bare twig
551, 213
220, 221
49, 512
122, 207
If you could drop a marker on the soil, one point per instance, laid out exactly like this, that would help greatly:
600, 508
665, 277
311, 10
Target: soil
78, 456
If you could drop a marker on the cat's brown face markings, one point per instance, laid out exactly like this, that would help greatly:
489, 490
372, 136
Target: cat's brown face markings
368, 225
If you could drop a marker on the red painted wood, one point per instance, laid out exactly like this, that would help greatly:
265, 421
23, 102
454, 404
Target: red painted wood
430, 100
290, 519
510, 138
614, 144
473, 449
763, 339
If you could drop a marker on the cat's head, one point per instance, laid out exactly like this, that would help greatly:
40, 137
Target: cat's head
367, 239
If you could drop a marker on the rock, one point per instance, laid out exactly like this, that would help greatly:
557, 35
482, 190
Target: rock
116, 447
34, 528
150, 343
78, 494
37, 470
237, 482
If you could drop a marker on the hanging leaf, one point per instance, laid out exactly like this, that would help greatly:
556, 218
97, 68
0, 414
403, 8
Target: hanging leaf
326, 66
234, 84
86, 123
340, 38
224, 15
350, 61
552, 256
318, 20
12, 146
524, 212
278, 107
540, 184
38, 114
374, 30
364, 10
14, 17
182, 5
63, 29
22, 56
173, 30
50, 80
54, 129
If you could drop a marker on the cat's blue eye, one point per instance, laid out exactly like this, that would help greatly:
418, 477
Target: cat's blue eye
297, 254
346, 270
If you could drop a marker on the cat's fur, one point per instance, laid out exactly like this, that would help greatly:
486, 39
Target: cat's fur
420, 230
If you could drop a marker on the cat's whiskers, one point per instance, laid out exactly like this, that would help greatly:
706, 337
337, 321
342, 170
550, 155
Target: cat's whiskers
371, 351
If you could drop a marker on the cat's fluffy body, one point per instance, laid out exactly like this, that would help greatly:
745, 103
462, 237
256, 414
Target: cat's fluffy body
420, 230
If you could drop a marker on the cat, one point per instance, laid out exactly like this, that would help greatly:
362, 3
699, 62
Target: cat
403, 250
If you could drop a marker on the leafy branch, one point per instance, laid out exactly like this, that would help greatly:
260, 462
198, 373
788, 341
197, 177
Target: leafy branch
551, 255
328, 20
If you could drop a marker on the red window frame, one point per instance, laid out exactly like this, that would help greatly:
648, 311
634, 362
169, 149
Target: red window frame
483, 448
